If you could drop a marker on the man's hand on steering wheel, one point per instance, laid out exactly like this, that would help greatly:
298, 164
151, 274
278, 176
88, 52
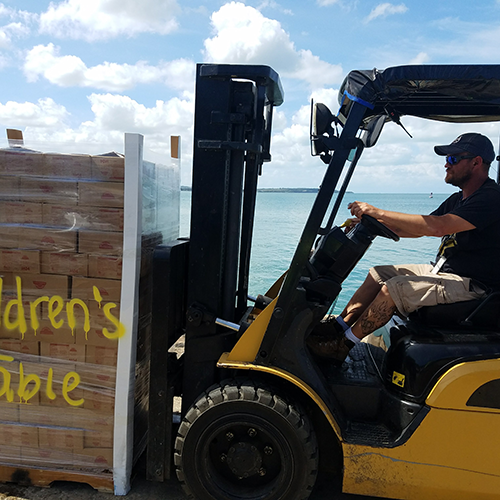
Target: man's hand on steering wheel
369, 218
360, 208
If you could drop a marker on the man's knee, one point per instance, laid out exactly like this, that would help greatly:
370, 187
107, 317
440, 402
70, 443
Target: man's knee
385, 295
380, 274
372, 279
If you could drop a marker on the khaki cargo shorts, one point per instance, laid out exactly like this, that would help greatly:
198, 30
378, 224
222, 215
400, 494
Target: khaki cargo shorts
412, 286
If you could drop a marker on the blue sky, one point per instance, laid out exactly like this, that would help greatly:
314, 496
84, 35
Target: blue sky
78, 74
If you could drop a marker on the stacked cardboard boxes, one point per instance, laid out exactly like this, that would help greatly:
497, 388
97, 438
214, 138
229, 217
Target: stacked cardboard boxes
61, 242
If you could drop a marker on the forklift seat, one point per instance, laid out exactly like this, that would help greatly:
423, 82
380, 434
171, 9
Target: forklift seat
438, 337
482, 313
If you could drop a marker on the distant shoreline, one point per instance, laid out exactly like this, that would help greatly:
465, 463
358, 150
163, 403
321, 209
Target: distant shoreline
276, 190
315, 190
287, 190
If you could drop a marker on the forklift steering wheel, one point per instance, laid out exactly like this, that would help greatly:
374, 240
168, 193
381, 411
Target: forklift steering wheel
378, 228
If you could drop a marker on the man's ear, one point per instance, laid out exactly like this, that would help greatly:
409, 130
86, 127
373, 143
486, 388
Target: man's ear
479, 162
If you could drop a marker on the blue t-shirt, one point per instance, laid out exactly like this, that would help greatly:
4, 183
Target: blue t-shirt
475, 254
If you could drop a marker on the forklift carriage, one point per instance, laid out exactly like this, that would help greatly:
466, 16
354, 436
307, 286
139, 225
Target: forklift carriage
260, 416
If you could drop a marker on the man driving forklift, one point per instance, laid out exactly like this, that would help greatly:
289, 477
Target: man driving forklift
466, 266
260, 418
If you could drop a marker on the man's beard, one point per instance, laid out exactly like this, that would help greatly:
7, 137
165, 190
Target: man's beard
458, 181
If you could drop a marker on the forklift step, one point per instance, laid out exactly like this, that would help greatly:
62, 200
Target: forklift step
372, 434
357, 383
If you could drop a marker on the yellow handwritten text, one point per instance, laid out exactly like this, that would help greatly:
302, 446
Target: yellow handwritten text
30, 384
14, 317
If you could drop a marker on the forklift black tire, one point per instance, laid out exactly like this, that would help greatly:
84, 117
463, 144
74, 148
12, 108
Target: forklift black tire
243, 442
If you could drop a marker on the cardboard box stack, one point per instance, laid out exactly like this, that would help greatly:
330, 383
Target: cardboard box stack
61, 239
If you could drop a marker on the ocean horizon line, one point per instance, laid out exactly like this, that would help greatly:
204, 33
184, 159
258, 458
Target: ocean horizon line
315, 190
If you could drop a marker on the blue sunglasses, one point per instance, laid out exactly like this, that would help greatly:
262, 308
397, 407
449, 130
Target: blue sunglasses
453, 160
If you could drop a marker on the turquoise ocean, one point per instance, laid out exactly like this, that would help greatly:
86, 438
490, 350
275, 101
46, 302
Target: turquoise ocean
280, 219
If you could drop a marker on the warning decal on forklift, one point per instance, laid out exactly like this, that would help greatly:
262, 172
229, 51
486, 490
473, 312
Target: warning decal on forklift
398, 379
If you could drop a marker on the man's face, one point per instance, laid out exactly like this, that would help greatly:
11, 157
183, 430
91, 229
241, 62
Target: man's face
460, 173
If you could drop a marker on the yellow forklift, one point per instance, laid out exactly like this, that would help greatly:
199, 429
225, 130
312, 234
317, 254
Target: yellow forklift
261, 417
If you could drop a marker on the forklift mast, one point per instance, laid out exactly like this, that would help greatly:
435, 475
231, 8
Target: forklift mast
232, 135
201, 283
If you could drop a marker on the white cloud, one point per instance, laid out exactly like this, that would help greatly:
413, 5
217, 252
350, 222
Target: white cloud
45, 113
23, 16
4, 39
102, 19
4, 61
386, 9
121, 113
16, 29
401, 164
47, 125
115, 114
397, 164
244, 35
325, 3
279, 120
421, 58
464, 41
68, 71
312, 69
271, 4
19, 27
452, 41
292, 164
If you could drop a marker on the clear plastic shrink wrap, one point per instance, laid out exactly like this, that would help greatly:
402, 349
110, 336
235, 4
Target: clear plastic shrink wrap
61, 241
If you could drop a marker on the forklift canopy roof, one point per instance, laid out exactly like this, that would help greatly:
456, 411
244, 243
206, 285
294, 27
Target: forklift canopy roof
452, 93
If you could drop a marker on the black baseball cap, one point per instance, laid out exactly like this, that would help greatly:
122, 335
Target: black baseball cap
476, 144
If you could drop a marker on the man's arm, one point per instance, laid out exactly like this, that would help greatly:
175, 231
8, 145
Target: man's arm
412, 225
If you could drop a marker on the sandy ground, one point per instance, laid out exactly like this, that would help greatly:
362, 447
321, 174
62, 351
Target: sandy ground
141, 489
325, 489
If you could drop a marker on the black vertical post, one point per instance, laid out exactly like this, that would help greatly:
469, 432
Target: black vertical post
257, 135
207, 277
207, 252
251, 175
498, 163
242, 104
230, 136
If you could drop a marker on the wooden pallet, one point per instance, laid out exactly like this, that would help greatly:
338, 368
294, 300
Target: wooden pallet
45, 477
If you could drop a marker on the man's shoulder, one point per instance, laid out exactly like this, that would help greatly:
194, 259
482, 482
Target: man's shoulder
453, 199
454, 196
490, 189
490, 184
